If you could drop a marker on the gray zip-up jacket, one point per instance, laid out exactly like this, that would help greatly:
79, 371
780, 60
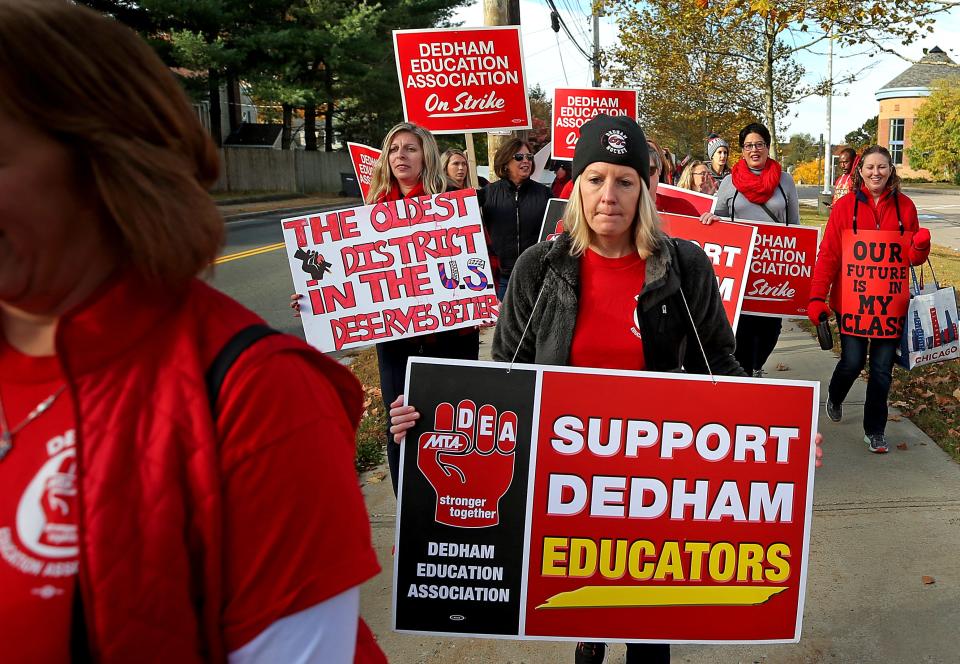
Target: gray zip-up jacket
548, 271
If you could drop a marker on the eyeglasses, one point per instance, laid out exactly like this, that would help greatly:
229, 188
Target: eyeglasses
520, 156
754, 146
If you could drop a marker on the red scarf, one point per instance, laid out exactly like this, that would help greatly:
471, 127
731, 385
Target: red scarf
757, 188
393, 194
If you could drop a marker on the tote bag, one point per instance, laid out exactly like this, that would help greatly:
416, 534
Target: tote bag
930, 332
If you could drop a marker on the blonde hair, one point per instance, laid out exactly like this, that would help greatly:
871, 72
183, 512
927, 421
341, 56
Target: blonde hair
434, 180
93, 85
686, 179
893, 183
646, 223
445, 158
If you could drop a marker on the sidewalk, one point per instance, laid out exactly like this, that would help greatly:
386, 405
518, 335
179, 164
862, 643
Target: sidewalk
881, 523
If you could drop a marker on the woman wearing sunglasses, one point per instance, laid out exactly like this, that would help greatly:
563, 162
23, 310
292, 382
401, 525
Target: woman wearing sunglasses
512, 207
757, 190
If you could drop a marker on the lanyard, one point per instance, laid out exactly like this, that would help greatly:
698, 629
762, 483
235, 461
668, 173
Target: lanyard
896, 205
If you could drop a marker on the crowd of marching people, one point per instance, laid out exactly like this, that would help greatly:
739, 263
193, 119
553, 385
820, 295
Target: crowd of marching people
201, 494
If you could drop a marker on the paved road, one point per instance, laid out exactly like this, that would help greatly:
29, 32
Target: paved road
254, 268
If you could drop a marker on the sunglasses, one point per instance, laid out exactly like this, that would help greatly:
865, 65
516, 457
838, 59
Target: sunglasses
520, 156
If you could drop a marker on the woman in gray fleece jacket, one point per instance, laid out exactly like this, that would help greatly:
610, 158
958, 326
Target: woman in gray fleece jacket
758, 190
612, 291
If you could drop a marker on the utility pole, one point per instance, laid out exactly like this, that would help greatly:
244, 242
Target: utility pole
499, 12
595, 8
828, 148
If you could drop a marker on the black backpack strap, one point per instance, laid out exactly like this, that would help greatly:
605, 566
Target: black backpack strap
232, 350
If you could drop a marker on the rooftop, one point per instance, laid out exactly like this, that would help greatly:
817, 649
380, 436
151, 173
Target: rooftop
936, 64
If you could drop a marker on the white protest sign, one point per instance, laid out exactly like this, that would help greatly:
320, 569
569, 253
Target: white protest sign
391, 270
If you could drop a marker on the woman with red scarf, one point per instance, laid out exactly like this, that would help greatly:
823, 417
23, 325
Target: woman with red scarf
757, 190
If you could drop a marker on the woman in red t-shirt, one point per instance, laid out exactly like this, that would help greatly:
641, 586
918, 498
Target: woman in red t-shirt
170, 491
612, 292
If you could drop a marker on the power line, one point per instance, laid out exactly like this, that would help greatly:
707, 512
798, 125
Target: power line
563, 25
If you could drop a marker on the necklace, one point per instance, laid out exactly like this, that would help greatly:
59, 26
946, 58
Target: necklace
7, 433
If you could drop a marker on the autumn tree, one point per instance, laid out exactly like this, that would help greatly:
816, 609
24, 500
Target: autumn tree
763, 37
669, 52
936, 133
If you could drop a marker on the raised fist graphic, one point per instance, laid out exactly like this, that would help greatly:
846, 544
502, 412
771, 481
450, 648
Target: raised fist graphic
468, 459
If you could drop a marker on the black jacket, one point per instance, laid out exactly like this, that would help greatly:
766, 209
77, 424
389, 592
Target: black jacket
667, 335
512, 217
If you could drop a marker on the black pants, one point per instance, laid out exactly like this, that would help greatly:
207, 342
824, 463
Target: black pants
756, 338
853, 357
392, 359
648, 653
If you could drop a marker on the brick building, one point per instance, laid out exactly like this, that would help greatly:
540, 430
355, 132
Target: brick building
900, 100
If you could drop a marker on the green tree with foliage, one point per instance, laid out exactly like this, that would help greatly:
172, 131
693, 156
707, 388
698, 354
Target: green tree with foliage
800, 148
936, 133
864, 135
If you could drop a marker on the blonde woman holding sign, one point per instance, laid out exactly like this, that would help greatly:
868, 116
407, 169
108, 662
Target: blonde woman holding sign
871, 237
410, 166
612, 292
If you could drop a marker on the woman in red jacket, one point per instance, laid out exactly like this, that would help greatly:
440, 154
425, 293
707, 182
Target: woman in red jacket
870, 238
156, 503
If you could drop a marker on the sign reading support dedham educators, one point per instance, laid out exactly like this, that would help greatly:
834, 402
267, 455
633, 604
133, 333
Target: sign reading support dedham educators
652, 507
728, 246
456, 80
391, 270
573, 107
782, 270
363, 158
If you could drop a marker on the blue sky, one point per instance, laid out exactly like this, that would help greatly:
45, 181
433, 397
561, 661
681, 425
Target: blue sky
553, 62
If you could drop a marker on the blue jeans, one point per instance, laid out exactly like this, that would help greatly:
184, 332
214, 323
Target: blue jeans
853, 357
502, 282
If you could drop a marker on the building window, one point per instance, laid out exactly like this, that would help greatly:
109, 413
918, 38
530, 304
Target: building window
896, 140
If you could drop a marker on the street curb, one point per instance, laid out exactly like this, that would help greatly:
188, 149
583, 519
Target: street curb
242, 216
921, 190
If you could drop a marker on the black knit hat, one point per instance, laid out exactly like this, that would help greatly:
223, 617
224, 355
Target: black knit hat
614, 140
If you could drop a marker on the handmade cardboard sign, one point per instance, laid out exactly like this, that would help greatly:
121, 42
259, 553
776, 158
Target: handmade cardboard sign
391, 270
728, 246
781, 271
455, 80
652, 507
552, 224
363, 158
675, 200
875, 268
572, 107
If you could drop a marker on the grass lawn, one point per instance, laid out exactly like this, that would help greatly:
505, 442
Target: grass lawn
370, 434
929, 396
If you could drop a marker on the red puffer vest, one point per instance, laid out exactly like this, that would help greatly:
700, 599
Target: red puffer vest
151, 508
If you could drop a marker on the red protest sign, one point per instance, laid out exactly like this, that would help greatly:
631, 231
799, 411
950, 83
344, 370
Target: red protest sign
728, 246
363, 158
391, 270
875, 267
781, 271
455, 80
675, 200
525, 514
572, 107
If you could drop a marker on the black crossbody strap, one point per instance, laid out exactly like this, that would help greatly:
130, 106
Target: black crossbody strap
233, 349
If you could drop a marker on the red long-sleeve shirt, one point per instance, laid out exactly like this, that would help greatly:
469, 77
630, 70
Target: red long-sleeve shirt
880, 215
